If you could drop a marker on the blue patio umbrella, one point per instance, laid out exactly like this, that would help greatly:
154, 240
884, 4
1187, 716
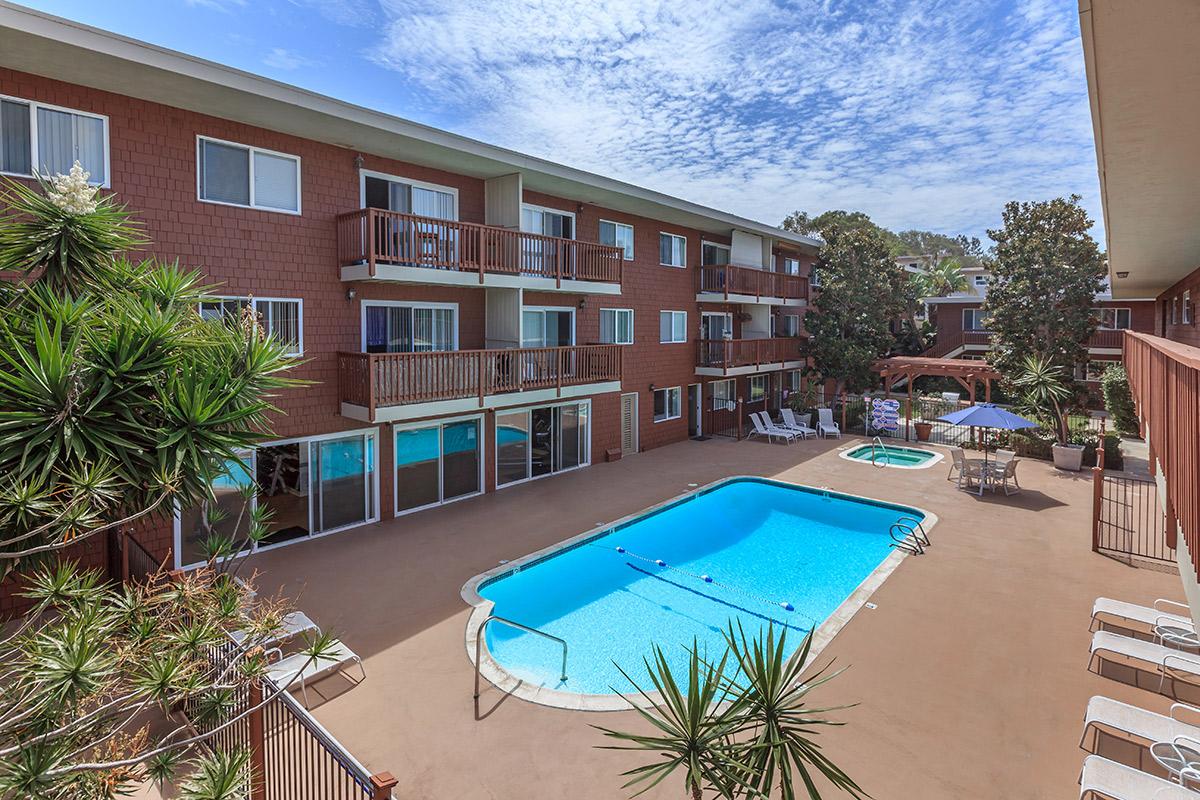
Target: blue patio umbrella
987, 415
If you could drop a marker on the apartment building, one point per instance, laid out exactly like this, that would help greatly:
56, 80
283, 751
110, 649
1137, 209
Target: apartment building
1142, 70
962, 330
473, 318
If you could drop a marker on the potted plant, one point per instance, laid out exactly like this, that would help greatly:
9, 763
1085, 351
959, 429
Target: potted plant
1046, 393
923, 427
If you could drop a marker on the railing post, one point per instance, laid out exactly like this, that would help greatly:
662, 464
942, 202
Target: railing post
740, 422
372, 386
382, 784
1097, 503
482, 373
258, 764
370, 242
561, 356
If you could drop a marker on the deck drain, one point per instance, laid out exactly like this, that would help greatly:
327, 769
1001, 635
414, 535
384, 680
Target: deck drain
871, 605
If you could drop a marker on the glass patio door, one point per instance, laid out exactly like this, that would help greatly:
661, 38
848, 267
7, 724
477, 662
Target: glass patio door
343, 481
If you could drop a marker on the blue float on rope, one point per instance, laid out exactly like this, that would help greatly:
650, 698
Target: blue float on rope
660, 562
787, 606
620, 549
706, 578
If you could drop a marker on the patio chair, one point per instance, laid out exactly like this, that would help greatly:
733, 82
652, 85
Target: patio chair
825, 424
1140, 654
1109, 780
1139, 618
764, 427
300, 669
1136, 725
958, 458
969, 470
1004, 456
797, 424
1003, 472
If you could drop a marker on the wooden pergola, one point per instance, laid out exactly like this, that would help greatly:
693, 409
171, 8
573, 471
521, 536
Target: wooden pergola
968, 372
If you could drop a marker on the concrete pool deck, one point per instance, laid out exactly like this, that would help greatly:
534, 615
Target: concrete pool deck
970, 672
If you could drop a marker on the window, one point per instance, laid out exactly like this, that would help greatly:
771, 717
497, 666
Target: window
533, 443
714, 254
548, 222
791, 266
409, 197
1187, 307
1092, 371
786, 324
1112, 318
814, 278
723, 395
617, 234
282, 318
547, 326
616, 326
666, 404
792, 381
239, 175
980, 281
758, 387
672, 250
672, 327
437, 463
1175, 310
399, 327
973, 319
49, 140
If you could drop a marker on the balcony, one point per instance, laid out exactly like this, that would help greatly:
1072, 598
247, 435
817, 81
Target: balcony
390, 387
746, 356
731, 284
379, 245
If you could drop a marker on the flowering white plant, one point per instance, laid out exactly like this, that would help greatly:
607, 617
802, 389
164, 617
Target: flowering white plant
72, 193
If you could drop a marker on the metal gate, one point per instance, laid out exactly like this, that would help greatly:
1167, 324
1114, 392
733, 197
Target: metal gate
1131, 524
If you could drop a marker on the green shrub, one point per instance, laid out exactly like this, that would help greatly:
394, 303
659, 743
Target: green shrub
1118, 401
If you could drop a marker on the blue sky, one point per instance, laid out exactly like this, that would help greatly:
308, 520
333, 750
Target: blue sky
923, 113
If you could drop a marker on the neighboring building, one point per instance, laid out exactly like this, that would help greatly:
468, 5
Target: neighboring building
473, 318
961, 330
1142, 72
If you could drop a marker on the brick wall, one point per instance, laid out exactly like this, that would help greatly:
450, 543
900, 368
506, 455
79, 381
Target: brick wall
1190, 333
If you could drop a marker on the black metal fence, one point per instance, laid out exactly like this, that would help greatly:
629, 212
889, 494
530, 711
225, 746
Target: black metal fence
1131, 524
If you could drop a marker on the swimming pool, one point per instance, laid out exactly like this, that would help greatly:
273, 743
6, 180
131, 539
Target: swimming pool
748, 549
894, 455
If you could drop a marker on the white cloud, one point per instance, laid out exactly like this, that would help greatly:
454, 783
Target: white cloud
924, 113
224, 6
282, 58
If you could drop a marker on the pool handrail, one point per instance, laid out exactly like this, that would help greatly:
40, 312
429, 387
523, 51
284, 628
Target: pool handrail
924, 537
512, 623
881, 447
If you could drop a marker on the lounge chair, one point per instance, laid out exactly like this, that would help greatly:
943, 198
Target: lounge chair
1109, 780
1137, 725
300, 668
764, 427
1138, 653
294, 624
797, 424
1139, 618
825, 424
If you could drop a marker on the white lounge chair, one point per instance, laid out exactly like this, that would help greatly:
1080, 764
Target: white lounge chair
1109, 780
797, 424
1139, 618
1138, 653
294, 624
825, 424
300, 668
1137, 725
764, 427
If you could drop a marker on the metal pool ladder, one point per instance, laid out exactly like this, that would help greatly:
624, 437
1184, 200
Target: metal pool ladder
907, 538
881, 447
519, 626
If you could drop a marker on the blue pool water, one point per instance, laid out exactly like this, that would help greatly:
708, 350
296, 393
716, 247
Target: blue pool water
765, 545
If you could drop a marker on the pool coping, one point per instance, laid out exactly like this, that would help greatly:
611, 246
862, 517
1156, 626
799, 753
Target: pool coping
845, 452
510, 684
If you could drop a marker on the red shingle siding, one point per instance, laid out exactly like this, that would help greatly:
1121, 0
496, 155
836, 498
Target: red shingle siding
1190, 333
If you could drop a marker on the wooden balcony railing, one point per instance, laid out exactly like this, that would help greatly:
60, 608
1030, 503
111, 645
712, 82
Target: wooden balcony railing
1100, 338
1164, 377
729, 353
374, 236
727, 279
1109, 339
376, 380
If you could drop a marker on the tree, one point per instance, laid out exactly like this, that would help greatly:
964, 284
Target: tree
117, 401
1046, 393
1118, 401
1046, 271
862, 291
742, 732
939, 279
935, 246
804, 224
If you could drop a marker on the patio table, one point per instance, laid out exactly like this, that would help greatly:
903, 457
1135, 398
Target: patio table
985, 472
1177, 756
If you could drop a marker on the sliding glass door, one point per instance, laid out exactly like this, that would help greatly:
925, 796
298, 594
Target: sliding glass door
537, 442
404, 328
437, 463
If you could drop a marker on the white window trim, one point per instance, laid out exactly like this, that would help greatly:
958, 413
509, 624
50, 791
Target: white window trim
678, 390
814, 277
750, 388
571, 214
299, 301
632, 238
726, 247
1115, 309
252, 149
673, 236
363, 174
1175, 310
685, 330
628, 311
728, 315
257, 548
34, 105
1187, 309
568, 309
583, 462
779, 324
439, 423
362, 341
796, 261
975, 311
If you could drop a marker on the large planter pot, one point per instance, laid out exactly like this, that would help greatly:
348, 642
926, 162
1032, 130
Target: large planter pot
1068, 456
924, 430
